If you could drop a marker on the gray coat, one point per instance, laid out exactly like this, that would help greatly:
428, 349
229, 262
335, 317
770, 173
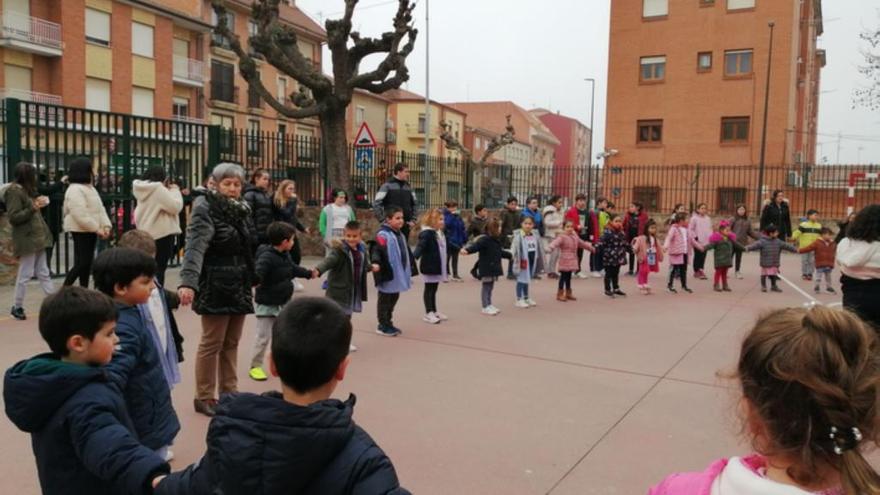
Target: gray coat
771, 250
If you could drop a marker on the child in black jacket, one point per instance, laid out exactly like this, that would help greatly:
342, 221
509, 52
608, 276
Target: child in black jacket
489, 266
275, 271
431, 253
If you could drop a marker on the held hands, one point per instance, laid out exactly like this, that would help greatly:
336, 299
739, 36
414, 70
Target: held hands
186, 296
104, 233
464, 252
315, 273
375, 268
157, 480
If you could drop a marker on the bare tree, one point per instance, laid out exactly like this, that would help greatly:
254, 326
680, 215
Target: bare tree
869, 96
495, 145
320, 95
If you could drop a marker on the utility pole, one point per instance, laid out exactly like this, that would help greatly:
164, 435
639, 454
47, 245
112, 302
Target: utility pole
762, 164
838, 147
427, 85
590, 154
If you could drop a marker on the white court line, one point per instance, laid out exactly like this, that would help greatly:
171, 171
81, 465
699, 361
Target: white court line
811, 300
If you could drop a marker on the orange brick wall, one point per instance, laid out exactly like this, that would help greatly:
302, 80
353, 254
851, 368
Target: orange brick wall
120, 36
71, 78
162, 52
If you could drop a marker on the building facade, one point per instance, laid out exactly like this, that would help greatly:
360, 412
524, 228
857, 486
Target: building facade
687, 81
408, 123
573, 151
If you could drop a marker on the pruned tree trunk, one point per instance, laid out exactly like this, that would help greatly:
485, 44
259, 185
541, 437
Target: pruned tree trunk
335, 143
495, 145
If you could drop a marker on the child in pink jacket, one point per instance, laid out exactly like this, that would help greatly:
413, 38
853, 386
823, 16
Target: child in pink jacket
648, 253
679, 245
809, 383
568, 244
700, 229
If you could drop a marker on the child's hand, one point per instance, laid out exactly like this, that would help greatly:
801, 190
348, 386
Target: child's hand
157, 480
375, 268
464, 252
315, 273
186, 295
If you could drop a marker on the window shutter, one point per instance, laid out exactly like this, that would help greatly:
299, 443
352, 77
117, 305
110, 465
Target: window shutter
97, 25
740, 4
142, 102
98, 94
655, 8
142, 39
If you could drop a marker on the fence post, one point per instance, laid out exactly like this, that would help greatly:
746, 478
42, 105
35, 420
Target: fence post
126, 172
468, 183
13, 135
213, 157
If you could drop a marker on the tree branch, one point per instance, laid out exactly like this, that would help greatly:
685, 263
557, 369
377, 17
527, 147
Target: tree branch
452, 143
498, 142
393, 43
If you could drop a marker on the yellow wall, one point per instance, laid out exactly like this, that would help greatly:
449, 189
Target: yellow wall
104, 5
14, 57
143, 72
408, 137
143, 17
375, 114
99, 62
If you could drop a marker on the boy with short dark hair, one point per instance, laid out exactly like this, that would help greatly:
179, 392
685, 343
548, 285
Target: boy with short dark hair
299, 440
347, 265
806, 234
275, 270
126, 275
391, 253
599, 218
825, 251
511, 218
81, 434
476, 228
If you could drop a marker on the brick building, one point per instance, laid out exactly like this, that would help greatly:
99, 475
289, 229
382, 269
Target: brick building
573, 151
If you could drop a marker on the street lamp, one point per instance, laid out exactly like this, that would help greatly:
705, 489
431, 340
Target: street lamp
590, 154
762, 163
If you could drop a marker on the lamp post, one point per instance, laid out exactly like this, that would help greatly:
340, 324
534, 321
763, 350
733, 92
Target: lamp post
762, 163
590, 154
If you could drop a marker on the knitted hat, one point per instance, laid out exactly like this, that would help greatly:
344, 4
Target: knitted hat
723, 224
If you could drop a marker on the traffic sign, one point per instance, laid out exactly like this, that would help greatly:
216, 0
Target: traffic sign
363, 157
364, 137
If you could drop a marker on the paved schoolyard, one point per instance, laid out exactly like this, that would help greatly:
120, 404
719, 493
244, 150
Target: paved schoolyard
594, 396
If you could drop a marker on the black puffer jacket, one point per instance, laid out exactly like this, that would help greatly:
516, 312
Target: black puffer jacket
287, 213
262, 212
217, 262
428, 253
491, 253
260, 444
276, 272
778, 215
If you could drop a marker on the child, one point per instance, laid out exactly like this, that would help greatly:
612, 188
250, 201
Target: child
614, 251
396, 267
299, 440
511, 218
741, 226
553, 219
633, 226
724, 244
825, 250
680, 245
806, 234
771, 253
275, 270
568, 243
136, 369
534, 213
648, 253
489, 268
579, 215
431, 253
809, 389
456, 237
81, 434
156, 312
477, 225
700, 229
599, 219
348, 265
528, 260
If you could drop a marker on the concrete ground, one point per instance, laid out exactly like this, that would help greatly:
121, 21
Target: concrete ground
594, 396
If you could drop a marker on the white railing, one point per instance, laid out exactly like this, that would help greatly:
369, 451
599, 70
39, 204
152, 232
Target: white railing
31, 29
189, 69
190, 120
25, 95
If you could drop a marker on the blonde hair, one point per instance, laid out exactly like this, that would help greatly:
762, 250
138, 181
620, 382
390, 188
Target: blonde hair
430, 217
280, 199
140, 240
811, 377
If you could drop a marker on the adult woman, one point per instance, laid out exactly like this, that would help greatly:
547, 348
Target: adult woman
553, 219
285, 203
334, 216
258, 198
158, 213
858, 256
30, 234
85, 218
842, 226
216, 278
776, 213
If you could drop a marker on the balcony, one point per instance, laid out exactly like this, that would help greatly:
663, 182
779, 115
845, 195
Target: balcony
188, 72
224, 92
32, 96
188, 120
29, 34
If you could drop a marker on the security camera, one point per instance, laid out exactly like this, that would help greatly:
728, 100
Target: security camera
613, 152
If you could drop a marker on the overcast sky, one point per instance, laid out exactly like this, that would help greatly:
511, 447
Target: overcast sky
539, 56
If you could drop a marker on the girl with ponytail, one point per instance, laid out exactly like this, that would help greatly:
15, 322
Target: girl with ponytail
810, 381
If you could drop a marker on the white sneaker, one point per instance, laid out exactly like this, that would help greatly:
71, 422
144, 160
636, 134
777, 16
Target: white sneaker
739, 275
521, 303
297, 285
596, 274
581, 275
489, 310
495, 310
440, 315
352, 348
431, 318
531, 302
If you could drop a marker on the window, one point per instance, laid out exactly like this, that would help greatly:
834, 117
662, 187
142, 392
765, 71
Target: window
224, 121
253, 140
97, 27
17, 78
735, 129
421, 123
216, 39
281, 92
142, 39
281, 137
478, 143
704, 61
653, 69
740, 4
360, 115
179, 107
650, 132
142, 102
253, 30
707, 3
737, 62
254, 98
729, 198
97, 94
648, 196
655, 8
222, 82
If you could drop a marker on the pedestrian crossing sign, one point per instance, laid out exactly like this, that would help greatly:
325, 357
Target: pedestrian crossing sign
363, 158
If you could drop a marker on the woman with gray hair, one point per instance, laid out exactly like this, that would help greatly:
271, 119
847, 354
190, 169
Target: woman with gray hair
217, 277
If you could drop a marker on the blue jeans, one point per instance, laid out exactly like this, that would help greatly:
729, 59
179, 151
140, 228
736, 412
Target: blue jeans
522, 290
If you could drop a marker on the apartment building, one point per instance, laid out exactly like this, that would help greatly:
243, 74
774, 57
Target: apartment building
687, 81
374, 110
409, 123
574, 147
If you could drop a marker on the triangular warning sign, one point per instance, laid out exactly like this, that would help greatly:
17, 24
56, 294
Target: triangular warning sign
365, 137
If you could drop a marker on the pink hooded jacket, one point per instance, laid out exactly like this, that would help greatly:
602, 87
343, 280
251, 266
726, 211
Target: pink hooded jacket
690, 483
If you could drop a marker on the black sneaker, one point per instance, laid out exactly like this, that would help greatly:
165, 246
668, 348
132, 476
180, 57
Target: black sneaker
671, 289
831, 290
763, 289
687, 290
609, 294
775, 289
816, 289
619, 292
17, 312
387, 331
